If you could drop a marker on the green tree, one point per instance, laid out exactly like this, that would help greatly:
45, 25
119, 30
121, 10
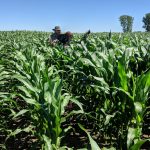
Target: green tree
146, 21
126, 23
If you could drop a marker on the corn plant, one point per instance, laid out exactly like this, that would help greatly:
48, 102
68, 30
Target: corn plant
41, 89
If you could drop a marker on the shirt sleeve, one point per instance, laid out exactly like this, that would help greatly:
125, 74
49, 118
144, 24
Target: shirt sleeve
53, 37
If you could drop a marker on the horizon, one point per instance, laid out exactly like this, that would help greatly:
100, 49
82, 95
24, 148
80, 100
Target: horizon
64, 32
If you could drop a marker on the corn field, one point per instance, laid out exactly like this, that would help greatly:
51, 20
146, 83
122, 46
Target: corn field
91, 95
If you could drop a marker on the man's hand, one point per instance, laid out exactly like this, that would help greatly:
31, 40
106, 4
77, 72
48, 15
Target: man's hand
55, 41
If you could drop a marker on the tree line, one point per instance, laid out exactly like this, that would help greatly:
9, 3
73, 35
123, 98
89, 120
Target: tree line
126, 22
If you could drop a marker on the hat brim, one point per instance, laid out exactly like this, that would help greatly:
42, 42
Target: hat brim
56, 29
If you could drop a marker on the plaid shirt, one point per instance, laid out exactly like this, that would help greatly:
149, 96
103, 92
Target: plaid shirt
53, 37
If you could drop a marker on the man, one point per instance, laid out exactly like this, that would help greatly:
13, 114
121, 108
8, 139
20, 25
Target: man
64, 39
53, 39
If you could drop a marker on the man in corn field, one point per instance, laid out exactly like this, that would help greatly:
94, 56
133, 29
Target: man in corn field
53, 39
58, 38
64, 39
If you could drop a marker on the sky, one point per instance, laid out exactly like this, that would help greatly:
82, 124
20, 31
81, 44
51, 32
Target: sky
71, 15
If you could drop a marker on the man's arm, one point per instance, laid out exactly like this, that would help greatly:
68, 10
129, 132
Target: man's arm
85, 35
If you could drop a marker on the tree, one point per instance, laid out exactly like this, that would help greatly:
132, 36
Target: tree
146, 21
126, 23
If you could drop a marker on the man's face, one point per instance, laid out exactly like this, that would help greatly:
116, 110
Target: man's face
57, 31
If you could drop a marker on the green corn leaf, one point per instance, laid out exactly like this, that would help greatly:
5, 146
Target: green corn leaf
138, 145
112, 148
30, 101
123, 76
87, 62
48, 144
94, 145
20, 113
74, 112
122, 90
25, 90
19, 130
64, 103
26, 83
138, 107
79, 104
132, 134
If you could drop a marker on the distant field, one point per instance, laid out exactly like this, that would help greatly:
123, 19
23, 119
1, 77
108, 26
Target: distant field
93, 94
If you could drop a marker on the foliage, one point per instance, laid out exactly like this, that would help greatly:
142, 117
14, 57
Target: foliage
126, 23
45, 92
146, 21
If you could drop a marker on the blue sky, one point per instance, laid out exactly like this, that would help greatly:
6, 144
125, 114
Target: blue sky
72, 15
